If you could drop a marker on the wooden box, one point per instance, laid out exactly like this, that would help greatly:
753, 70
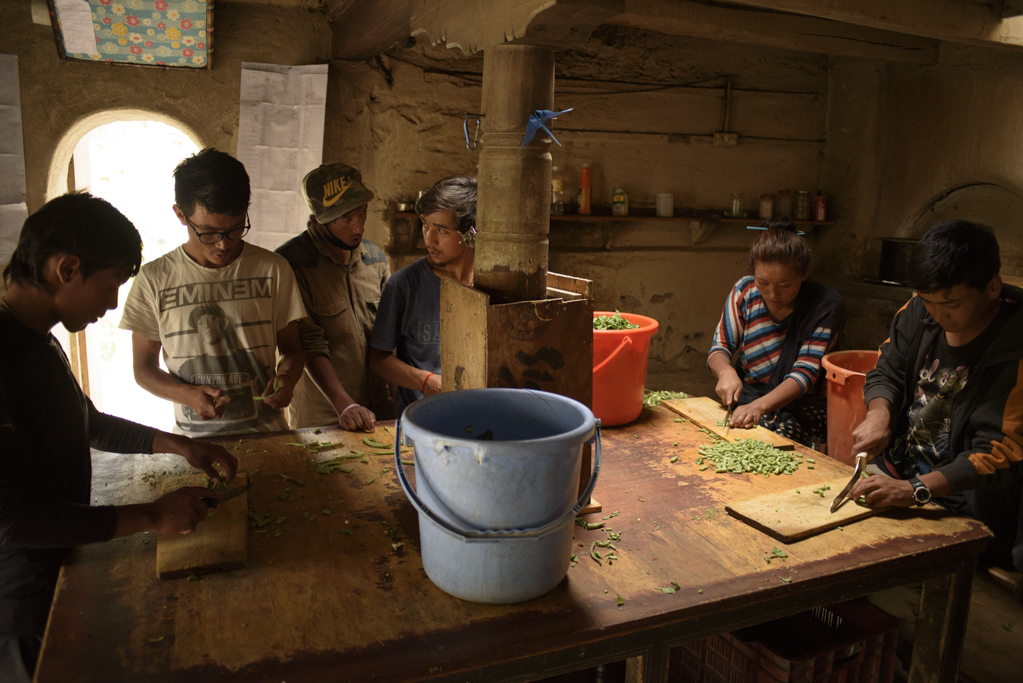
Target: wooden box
545, 344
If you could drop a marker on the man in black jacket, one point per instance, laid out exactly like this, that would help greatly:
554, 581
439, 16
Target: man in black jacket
945, 402
72, 257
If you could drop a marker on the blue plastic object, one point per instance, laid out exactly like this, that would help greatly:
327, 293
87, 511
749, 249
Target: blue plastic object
496, 516
537, 119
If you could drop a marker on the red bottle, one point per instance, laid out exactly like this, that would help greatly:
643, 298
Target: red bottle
820, 208
584, 190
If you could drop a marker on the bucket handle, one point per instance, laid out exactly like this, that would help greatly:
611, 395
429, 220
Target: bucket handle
626, 342
496, 535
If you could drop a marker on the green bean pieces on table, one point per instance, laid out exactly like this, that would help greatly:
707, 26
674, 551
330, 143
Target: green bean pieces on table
749, 455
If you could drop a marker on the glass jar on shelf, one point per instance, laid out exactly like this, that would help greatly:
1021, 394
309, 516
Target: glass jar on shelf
802, 212
557, 193
766, 206
736, 205
784, 204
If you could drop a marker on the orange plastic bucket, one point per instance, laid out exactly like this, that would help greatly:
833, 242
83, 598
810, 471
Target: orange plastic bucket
620, 360
847, 371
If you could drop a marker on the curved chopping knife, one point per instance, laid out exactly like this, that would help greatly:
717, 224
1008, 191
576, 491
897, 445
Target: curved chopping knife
861, 463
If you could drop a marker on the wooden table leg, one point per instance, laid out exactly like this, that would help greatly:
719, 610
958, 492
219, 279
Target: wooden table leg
654, 667
941, 626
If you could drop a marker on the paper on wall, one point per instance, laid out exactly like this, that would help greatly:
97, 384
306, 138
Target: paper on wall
13, 210
280, 139
76, 26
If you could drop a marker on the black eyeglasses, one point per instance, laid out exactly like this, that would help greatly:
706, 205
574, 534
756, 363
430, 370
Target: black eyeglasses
214, 237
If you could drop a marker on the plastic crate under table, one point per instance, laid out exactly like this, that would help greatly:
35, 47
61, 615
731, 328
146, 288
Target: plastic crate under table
848, 642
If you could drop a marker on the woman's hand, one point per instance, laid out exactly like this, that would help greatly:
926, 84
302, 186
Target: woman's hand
748, 416
729, 387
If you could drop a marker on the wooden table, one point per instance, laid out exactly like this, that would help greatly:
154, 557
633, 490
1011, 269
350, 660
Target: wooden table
316, 605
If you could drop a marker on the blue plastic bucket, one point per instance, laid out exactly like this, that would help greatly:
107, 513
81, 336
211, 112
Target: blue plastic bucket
499, 458
491, 565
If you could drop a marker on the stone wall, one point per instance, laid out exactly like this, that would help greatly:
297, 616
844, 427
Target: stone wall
894, 147
645, 105
909, 146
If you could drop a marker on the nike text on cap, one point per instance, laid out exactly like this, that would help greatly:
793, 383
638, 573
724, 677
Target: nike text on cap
332, 190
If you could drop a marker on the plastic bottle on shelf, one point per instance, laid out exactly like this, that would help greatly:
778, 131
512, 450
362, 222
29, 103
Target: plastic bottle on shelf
766, 206
784, 204
584, 190
820, 207
557, 193
619, 202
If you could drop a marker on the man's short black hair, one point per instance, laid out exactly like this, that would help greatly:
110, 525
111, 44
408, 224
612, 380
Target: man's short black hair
456, 194
213, 180
80, 225
954, 253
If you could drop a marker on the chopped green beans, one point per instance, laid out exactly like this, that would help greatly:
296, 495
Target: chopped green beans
748, 455
652, 399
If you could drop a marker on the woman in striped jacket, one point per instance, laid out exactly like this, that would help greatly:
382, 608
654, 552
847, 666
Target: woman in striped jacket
777, 325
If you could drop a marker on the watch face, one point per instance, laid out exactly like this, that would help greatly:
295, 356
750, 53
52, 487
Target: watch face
921, 494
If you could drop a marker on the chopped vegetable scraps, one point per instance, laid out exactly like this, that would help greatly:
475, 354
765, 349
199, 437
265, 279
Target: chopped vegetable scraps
612, 322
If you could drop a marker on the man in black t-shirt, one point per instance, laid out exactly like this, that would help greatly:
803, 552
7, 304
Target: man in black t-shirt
72, 257
945, 402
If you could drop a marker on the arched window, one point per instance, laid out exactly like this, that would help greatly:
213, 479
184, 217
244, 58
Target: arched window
127, 159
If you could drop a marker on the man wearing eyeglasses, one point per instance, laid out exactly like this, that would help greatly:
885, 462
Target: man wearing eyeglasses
218, 310
340, 275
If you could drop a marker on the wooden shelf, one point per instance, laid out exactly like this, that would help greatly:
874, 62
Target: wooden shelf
595, 218
591, 218
700, 227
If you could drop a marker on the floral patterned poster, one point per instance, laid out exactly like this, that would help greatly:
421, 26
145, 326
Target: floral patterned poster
171, 33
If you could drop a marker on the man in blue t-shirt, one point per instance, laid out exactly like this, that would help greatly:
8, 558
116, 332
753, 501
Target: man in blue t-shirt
405, 347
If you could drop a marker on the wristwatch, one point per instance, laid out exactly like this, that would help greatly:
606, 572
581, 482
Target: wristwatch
921, 494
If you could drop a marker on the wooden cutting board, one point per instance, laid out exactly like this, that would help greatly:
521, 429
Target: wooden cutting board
706, 412
790, 516
219, 542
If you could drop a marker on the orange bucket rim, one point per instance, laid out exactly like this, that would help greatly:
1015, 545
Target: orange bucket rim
832, 367
647, 325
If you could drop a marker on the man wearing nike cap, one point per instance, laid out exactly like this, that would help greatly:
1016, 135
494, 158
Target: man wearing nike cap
340, 276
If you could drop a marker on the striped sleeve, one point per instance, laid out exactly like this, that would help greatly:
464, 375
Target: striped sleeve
808, 362
729, 332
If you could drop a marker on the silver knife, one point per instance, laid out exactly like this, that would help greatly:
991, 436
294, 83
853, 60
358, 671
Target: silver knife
861, 463
213, 502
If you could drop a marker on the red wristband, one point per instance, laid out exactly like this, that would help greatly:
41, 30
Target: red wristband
425, 381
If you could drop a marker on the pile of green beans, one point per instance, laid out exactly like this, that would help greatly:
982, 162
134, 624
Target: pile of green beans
749, 455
